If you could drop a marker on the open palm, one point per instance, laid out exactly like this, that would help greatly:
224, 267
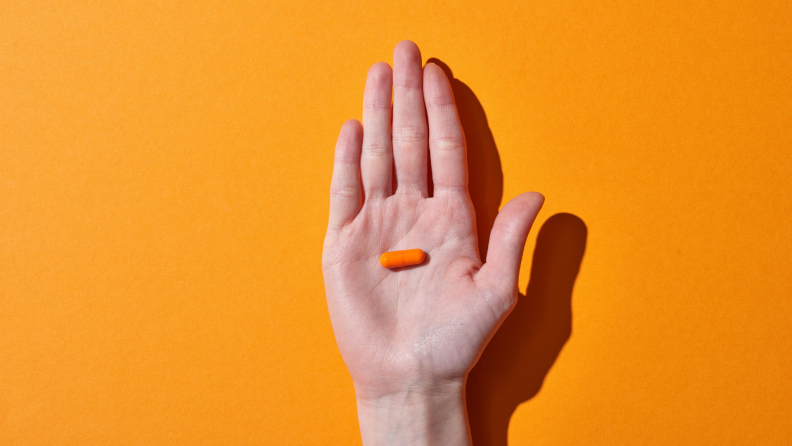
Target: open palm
423, 325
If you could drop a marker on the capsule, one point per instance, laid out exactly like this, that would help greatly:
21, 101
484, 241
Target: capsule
395, 259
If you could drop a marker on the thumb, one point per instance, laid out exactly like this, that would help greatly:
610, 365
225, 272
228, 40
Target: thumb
506, 244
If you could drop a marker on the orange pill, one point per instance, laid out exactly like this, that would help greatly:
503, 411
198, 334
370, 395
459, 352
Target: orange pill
395, 259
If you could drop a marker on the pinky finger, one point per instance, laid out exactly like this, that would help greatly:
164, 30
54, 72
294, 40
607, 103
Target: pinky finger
345, 190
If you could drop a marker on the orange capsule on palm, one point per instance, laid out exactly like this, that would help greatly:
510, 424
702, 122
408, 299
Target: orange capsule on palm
396, 259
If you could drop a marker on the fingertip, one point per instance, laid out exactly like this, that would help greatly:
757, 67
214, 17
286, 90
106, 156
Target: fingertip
521, 213
407, 45
432, 66
442, 65
535, 197
351, 122
379, 71
437, 87
434, 75
530, 201
406, 53
351, 127
431, 70
349, 142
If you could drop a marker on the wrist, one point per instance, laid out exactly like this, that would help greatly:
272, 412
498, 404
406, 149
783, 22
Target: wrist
423, 414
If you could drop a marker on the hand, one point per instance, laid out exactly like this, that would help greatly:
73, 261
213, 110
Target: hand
409, 336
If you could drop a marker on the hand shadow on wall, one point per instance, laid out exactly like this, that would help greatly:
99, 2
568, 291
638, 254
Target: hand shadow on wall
518, 358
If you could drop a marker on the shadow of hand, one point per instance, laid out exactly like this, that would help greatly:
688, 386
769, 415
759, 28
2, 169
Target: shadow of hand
516, 361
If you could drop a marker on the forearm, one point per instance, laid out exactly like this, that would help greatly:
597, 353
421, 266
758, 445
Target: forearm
416, 416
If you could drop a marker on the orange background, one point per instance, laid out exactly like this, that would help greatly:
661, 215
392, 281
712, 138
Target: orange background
164, 176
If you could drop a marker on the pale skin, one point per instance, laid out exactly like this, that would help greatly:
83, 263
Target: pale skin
410, 336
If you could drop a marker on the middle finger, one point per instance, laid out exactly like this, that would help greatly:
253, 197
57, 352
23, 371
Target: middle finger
410, 130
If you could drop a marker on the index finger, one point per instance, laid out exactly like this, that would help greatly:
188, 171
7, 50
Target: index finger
446, 138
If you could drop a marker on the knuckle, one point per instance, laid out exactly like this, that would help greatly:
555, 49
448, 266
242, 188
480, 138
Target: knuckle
376, 148
346, 159
407, 82
376, 105
344, 191
443, 102
448, 142
409, 134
